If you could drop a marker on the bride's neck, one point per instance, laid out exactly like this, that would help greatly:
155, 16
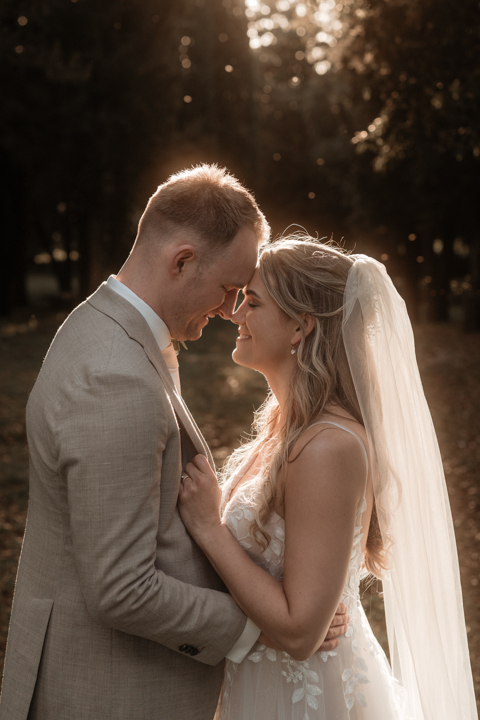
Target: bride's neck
280, 387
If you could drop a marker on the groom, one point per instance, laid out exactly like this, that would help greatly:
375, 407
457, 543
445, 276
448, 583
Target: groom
117, 613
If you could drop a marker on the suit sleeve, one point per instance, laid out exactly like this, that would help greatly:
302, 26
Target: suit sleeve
111, 436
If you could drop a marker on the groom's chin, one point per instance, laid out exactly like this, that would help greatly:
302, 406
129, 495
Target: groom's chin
194, 329
192, 333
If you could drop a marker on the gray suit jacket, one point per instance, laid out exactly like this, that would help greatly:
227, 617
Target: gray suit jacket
117, 614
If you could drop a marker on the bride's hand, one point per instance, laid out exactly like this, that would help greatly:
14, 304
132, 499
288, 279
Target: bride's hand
199, 498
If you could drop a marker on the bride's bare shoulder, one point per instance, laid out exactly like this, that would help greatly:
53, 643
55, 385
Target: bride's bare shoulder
330, 435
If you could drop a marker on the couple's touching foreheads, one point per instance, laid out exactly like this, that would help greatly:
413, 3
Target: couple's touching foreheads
146, 590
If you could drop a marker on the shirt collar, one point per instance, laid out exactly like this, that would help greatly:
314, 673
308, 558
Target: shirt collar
160, 331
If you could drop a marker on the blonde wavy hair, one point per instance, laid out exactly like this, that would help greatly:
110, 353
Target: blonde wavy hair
304, 275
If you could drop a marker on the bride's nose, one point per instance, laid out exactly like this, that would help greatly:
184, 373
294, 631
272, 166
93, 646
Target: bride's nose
238, 317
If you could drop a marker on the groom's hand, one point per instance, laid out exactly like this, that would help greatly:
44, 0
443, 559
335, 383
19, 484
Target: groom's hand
338, 627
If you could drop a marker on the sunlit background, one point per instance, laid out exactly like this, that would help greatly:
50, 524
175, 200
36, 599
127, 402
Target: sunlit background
354, 119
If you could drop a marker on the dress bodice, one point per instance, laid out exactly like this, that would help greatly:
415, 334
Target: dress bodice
238, 515
239, 512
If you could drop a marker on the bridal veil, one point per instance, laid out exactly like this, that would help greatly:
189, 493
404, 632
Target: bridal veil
423, 599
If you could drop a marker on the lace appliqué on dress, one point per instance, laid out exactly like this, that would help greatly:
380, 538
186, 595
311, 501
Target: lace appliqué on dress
240, 518
295, 672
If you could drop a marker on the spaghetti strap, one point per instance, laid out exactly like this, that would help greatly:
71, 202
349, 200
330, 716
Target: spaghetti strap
342, 427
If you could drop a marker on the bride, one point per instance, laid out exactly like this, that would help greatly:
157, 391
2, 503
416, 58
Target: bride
343, 478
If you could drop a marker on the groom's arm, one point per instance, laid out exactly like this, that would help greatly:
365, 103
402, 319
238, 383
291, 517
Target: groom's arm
111, 436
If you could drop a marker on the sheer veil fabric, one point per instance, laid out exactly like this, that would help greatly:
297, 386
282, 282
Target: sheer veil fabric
423, 599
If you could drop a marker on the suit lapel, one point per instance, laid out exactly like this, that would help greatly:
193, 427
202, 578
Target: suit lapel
183, 413
131, 320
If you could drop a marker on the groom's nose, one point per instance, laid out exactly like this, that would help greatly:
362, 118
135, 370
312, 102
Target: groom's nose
227, 307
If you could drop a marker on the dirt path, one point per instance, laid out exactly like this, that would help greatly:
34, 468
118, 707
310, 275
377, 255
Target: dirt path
222, 397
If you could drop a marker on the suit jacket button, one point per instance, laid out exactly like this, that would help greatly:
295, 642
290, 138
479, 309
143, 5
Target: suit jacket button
189, 650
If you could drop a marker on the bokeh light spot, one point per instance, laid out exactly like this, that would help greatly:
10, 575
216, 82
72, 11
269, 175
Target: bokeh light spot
42, 258
322, 67
59, 255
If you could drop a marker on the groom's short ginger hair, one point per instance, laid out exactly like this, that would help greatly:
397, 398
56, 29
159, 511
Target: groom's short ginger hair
207, 200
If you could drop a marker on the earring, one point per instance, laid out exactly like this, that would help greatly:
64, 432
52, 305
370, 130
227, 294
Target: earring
293, 351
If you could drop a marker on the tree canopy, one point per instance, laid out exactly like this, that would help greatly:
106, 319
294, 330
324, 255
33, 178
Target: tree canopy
349, 117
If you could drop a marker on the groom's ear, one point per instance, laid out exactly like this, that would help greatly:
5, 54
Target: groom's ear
182, 257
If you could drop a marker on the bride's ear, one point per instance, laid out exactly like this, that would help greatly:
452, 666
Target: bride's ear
308, 325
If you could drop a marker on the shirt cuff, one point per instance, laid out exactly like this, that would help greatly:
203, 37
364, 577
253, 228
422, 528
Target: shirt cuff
245, 642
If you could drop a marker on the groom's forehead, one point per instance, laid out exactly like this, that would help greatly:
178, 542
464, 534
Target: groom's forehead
239, 265
238, 279
239, 274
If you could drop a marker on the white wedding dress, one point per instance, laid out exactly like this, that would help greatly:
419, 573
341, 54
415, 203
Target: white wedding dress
353, 682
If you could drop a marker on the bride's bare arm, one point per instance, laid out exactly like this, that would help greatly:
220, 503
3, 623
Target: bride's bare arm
323, 489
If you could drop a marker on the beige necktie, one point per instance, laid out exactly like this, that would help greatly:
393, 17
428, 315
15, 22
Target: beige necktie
170, 357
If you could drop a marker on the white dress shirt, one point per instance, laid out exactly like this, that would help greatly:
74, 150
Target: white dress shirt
161, 333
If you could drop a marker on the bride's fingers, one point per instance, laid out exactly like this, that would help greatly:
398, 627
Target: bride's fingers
192, 472
199, 469
202, 463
